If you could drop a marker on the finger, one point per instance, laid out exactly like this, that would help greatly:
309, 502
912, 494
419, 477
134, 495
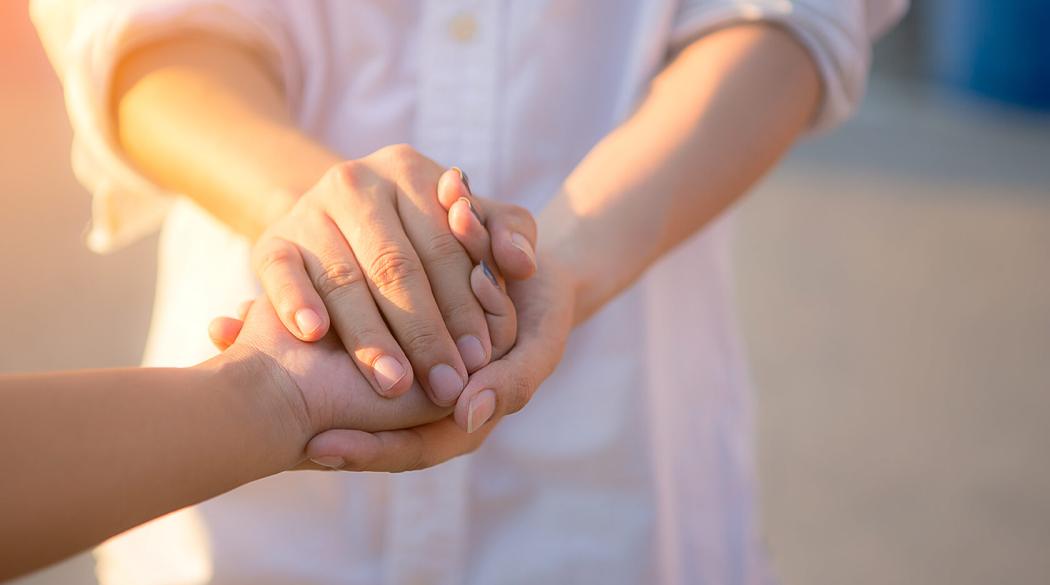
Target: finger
454, 185
464, 216
464, 223
280, 267
502, 387
513, 233
377, 232
223, 331
514, 378
392, 451
294, 285
394, 274
339, 280
499, 309
486, 282
511, 228
448, 267
243, 308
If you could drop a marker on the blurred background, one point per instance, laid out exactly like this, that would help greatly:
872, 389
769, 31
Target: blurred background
893, 282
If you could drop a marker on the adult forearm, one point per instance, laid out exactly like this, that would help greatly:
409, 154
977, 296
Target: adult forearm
715, 120
205, 117
87, 455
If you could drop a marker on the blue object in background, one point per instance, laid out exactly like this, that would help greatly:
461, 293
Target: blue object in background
998, 48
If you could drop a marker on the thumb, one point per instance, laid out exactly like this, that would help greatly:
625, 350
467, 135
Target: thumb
224, 331
513, 232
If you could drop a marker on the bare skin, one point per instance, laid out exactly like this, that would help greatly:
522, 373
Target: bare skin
361, 245
94, 453
705, 133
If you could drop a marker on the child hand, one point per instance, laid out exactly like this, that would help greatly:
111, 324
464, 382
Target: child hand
316, 386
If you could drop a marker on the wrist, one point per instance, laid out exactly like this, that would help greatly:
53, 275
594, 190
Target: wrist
264, 404
285, 184
560, 254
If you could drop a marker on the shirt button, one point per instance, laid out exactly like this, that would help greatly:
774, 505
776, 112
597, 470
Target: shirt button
463, 27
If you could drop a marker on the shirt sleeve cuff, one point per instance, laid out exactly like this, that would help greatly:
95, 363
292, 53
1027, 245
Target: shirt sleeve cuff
835, 37
126, 205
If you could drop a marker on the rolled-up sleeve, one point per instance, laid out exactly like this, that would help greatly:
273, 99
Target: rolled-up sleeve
838, 34
85, 39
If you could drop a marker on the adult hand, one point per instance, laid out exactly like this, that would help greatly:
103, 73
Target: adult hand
544, 308
330, 392
369, 251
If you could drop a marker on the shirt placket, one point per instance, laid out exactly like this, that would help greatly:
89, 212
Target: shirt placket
454, 125
458, 85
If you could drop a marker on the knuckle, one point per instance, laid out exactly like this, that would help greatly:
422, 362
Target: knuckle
528, 220
503, 338
444, 245
417, 456
400, 153
461, 310
361, 332
288, 298
517, 211
402, 150
421, 339
349, 175
337, 278
274, 253
392, 269
522, 217
520, 392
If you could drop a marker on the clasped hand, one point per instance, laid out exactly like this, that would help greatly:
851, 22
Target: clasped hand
401, 314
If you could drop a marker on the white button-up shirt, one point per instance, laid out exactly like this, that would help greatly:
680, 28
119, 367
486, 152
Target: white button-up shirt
633, 463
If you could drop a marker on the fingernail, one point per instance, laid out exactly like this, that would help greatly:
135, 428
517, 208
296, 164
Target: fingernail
463, 177
388, 371
308, 321
488, 273
330, 461
472, 352
473, 209
522, 243
480, 410
446, 383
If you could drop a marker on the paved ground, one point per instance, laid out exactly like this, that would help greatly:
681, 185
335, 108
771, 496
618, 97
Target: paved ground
894, 283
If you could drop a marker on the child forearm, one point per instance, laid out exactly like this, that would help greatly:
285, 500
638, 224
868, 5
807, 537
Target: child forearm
87, 455
714, 121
